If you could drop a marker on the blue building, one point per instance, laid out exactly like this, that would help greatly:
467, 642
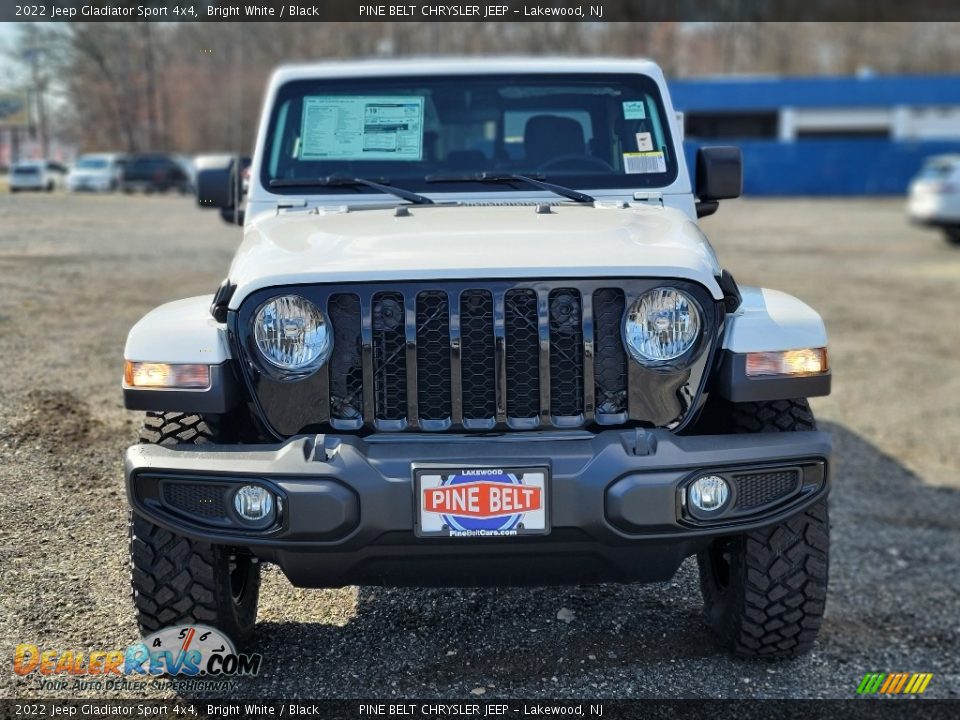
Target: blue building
824, 135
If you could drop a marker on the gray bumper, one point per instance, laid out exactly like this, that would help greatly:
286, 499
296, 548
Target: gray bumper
347, 514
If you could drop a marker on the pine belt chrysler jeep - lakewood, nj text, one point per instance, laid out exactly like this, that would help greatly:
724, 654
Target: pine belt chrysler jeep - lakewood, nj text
473, 335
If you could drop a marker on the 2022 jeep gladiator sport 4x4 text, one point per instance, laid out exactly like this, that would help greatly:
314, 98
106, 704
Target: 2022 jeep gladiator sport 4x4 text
474, 335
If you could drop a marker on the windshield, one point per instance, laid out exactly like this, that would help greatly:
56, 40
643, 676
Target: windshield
149, 164
91, 164
937, 169
582, 131
26, 170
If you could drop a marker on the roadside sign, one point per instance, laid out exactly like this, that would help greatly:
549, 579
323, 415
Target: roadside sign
14, 110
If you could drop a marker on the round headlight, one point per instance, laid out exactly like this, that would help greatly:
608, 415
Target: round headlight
661, 325
292, 334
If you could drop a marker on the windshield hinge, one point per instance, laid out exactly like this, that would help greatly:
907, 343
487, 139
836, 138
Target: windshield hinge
651, 196
288, 203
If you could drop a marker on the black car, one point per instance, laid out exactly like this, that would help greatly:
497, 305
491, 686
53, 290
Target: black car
156, 172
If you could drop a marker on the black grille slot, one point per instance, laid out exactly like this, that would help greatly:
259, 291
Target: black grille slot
389, 360
204, 500
346, 363
477, 355
433, 355
610, 359
522, 354
757, 489
566, 353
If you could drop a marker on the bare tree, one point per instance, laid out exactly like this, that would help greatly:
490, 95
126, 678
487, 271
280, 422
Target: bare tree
196, 87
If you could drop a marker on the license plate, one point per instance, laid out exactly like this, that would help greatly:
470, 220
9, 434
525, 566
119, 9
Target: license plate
481, 502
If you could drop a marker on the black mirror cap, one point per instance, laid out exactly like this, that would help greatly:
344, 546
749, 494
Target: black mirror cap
215, 187
220, 182
719, 173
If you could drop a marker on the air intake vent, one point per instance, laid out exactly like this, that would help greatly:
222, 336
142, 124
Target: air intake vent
204, 500
756, 490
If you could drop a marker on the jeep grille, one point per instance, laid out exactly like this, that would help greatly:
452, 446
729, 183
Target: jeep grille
540, 366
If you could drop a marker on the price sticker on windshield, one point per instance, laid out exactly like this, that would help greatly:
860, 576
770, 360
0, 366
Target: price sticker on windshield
640, 163
348, 127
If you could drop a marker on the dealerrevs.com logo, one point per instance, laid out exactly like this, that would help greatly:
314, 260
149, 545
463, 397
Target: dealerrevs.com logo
183, 651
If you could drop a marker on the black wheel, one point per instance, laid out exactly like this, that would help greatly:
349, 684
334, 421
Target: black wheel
177, 580
765, 591
49, 187
952, 235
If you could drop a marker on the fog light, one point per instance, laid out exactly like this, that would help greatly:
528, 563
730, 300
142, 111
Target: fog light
709, 493
253, 502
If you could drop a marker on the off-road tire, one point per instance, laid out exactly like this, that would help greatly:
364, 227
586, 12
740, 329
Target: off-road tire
765, 591
174, 428
179, 581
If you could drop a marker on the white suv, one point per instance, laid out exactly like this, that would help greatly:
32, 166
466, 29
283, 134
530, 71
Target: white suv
96, 173
37, 175
935, 196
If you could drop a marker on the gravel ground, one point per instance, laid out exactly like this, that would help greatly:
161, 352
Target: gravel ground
76, 272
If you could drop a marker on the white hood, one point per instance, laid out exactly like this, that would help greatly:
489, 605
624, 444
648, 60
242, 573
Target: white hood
462, 242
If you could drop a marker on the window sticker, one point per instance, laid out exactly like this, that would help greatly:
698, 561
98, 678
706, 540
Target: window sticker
644, 162
352, 127
634, 110
644, 142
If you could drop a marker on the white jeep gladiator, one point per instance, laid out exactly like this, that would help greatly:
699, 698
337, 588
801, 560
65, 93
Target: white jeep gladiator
473, 335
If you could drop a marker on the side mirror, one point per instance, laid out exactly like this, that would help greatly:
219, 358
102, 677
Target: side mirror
719, 177
220, 186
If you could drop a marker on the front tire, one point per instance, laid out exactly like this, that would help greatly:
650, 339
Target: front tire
765, 591
952, 235
179, 581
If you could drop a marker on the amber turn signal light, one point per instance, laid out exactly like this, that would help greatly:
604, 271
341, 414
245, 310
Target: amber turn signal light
149, 375
810, 361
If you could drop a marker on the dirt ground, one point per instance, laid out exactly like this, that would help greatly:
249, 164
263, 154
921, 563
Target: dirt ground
77, 271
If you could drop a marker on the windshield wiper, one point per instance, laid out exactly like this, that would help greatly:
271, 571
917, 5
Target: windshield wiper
487, 177
347, 181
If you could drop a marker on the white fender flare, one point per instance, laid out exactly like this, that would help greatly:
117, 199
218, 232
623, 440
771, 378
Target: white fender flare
179, 332
183, 333
769, 321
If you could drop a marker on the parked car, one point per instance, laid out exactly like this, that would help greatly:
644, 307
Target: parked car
474, 335
934, 198
97, 172
155, 172
46, 175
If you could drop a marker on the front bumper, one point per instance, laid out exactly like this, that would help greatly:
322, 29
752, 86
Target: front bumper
346, 509
934, 210
89, 185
